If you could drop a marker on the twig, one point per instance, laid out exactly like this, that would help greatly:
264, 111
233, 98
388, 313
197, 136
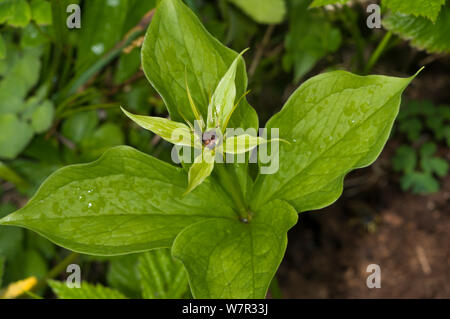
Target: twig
260, 50
423, 260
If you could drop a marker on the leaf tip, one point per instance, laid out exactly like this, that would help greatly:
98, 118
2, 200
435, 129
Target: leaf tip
417, 73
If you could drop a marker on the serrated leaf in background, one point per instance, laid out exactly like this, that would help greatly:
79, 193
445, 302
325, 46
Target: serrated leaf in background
426, 8
421, 32
86, 291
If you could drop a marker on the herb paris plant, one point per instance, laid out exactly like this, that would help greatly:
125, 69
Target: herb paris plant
229, 231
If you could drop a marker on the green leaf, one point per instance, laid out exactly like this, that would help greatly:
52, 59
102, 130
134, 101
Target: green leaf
419, 183
201, 168
106, 136
232, 259
9, 175
320, 3
436, 165
2, 48
11, 239
311, 37
222, 101
15, 12
263, 11
122, 203
123, 275
79, 126
42, 117
41, 12
422, 33
426, 8
242, 143
162, 277
173, 132
405, 159
335, 122
412, 127
176, 42
2, 267
428, 149
14, 136
86, 291
27, 264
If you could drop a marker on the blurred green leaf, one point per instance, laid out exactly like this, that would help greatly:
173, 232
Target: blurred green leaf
405, 159
10, 238
263, 11
107, 18
15, 12
2, 48
412, 127
41, 12
428, 149
27, 263
106, 136
2, 267
78, 126
9, 175
419, 183
311, 37
14, 135
86, 291
320, 3
42, 117
436, 165
162, 277
123, 275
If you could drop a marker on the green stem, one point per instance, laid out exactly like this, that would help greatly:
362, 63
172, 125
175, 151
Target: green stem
378, 52
233, 189
55, 271
275, 290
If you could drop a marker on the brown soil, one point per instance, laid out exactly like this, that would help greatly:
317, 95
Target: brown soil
374, 222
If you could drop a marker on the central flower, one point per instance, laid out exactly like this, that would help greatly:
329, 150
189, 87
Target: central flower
209, 136
211, 139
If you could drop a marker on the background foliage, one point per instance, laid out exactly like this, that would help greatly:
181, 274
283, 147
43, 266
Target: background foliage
60, 92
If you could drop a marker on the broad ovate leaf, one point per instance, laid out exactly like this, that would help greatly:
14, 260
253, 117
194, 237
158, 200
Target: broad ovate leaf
173, 132
425, 8
263, 11
336, 122
421, 32
228, 258
177, 46
201, 168
124, 202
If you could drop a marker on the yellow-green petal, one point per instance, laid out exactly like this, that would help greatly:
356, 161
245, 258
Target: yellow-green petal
173, 132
